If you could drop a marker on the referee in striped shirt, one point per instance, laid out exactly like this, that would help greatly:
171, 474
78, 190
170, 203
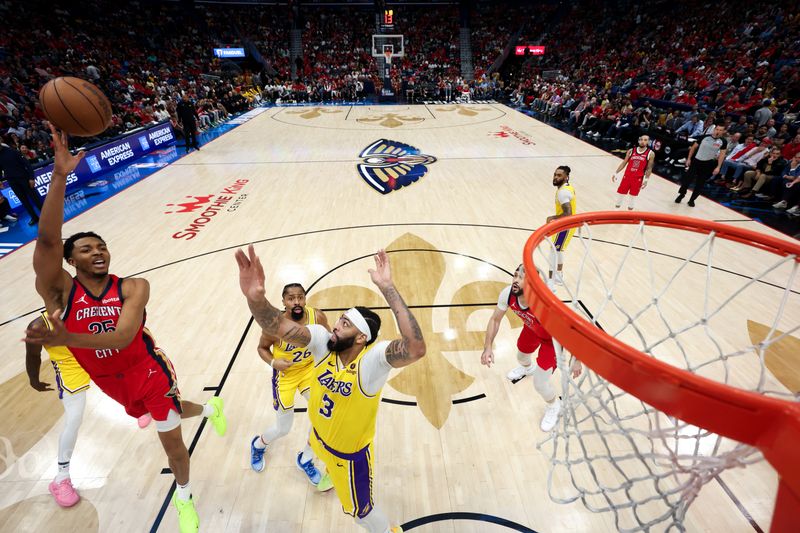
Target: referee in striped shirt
704, 161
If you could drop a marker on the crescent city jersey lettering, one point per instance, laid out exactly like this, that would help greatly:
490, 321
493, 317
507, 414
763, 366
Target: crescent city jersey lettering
559, 209
86, 313
341, 413
527, 317
300, 355
637, 164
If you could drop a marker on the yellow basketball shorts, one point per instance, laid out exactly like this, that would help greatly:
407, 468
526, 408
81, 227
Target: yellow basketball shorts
286, 384
351, 474
71, 378
562, 238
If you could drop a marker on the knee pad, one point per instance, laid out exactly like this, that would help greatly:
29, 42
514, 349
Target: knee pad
543, 384
524, 359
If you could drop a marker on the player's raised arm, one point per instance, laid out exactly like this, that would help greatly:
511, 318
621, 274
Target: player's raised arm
411, 346
48, 251
271, 320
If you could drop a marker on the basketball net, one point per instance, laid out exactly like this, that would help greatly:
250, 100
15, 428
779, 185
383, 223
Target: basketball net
681, 296
388, 55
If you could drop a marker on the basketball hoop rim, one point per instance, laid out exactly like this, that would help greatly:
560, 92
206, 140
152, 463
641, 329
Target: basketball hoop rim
770, 424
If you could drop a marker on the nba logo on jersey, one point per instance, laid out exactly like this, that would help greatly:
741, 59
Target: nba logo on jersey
143, 142
94, 164
390, 165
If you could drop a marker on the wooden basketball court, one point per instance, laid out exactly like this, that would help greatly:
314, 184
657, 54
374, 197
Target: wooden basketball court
456, 441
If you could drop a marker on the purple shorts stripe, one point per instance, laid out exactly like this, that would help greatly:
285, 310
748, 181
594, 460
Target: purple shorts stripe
275, 396
59, 383
560, 238
361, 484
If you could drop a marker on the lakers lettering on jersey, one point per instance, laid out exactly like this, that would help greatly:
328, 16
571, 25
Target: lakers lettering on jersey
564, 194
296, 378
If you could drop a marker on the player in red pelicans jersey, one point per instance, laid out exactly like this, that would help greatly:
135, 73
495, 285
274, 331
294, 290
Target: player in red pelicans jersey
532, 337
101, 319
638, 165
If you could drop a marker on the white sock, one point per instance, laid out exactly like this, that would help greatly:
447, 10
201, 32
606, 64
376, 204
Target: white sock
63, 472
208, 410
184, 492
74, 405
632, 201
260, 443
374, 522
307, 455
620, 198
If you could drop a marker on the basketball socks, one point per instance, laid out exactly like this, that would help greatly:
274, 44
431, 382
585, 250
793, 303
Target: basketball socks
208, 410
260, 443
375, 521
74, 405
63, 471
306, 456
183, 491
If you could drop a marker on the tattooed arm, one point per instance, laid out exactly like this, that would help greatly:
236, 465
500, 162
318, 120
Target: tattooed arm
271, 320
411, 346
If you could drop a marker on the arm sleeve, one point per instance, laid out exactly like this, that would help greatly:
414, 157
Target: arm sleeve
319, 341
374, 369
502, 300
564, 196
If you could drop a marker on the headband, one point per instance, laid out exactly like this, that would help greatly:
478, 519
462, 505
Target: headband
357, 319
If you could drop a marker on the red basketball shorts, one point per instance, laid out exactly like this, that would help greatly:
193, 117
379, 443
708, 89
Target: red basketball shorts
529, 341
149, 387
630, 185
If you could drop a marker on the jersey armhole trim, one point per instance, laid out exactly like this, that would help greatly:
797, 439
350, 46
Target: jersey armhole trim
358, 381
68, 308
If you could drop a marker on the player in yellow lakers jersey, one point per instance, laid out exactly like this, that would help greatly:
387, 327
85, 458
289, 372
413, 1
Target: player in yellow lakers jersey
292, 372
565, 206
72, 382
350, 369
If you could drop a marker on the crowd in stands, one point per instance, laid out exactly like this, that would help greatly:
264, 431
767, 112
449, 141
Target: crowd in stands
612, 70
629, 79
161, 54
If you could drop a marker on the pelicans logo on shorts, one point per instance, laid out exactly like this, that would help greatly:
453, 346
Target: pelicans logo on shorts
390, 165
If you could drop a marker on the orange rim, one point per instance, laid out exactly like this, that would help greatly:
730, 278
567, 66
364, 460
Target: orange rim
772, 425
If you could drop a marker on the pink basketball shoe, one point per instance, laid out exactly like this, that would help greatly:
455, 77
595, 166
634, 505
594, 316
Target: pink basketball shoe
63, 492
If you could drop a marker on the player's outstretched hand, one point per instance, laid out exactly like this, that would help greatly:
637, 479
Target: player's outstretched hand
251, 274
487, 357
382, 274
41, 334
63, 161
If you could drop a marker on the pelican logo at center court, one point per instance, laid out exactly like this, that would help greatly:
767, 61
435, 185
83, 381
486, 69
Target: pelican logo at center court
389, 165
205, 208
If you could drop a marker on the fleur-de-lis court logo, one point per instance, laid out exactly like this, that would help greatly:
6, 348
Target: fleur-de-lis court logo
782, 357
461, 109
313, 112
391, 120
434, 380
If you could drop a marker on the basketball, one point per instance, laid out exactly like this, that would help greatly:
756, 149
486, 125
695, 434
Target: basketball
75, 106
